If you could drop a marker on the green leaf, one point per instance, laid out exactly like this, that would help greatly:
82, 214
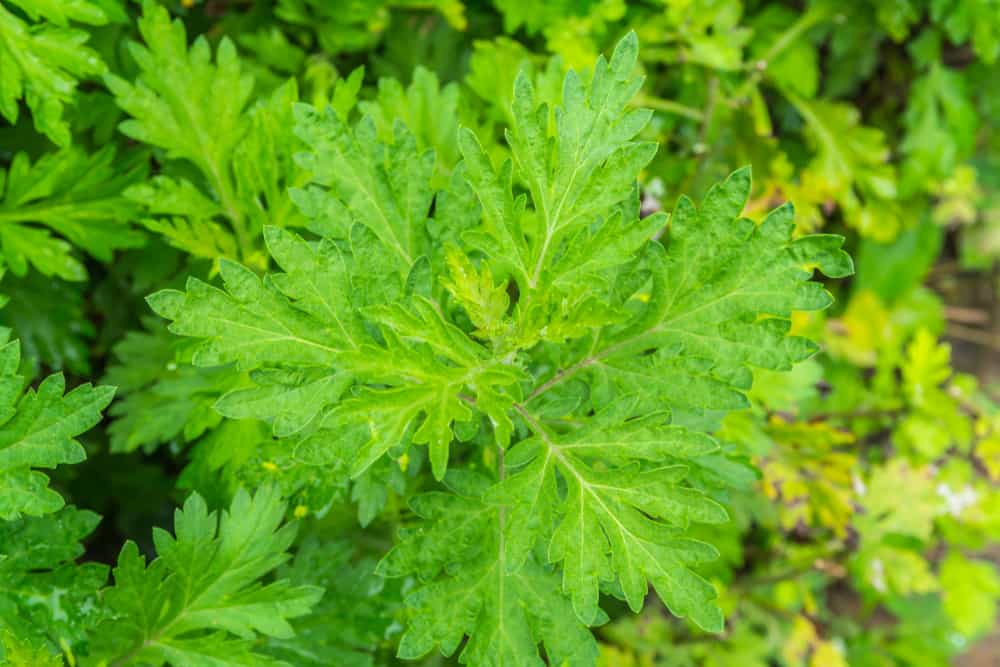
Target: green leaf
182, 102
357, 602
78, 196
37, 430
580, 165
580, 352
493, 67
201, 602
385, 187
593, 162
975, 21
161, 399
250, 323
941, 124
707, 320
20, 652
431, 112
289, 400
851, 166
200, 111
91, 12
307, 317
624, 523
971, 591
183, 217
485, 302
506, 613
48, 603
421, 344
263, 163
50, 321
43, 64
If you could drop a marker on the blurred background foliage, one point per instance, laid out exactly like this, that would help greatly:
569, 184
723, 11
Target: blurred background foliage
867, 505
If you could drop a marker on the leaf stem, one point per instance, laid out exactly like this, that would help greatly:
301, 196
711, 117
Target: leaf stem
223, 187
668, 106
808, 19
559, 377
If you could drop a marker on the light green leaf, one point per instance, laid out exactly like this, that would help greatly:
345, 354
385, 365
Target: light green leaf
80, 197
429, 110
250, 323
200, 111
182, 102
61, 12
851, 166
37, 430
205, 578
385, 187
941, 124
971, 590
43, 64
706, 321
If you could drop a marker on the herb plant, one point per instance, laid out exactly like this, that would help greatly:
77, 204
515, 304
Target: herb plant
457, 342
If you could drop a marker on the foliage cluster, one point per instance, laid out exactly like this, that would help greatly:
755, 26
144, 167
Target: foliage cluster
457, 341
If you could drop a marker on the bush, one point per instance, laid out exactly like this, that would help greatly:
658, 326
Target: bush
462, 332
